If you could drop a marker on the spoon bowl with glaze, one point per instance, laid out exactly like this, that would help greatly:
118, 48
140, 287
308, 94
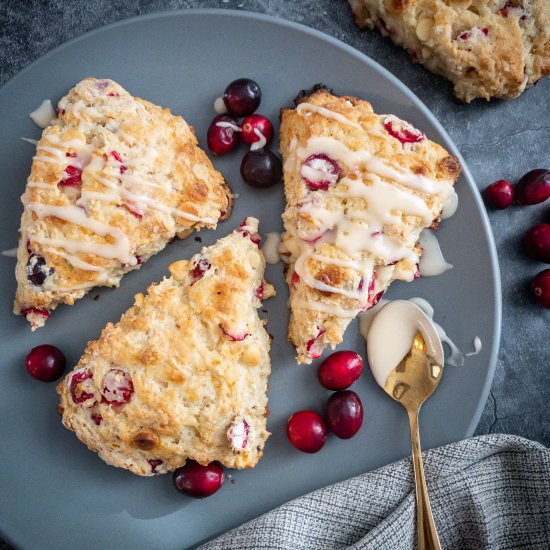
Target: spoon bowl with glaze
410, 382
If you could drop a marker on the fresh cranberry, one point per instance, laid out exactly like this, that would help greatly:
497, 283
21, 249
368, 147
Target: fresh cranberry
540, 287
46, 363
537, 242
319, 171
256, 129
499, 195
81, 387
307, 431
37, 271
234, 335
97, 418
533, 187
242, 97
261, 168
314, 347
403, 131
223, 134
200, 268
154, 463
344, 413
117, 387
340, 370
198, 481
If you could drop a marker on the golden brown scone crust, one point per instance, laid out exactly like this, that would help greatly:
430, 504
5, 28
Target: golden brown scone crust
486, 48
385, 190
114, 179
192, 380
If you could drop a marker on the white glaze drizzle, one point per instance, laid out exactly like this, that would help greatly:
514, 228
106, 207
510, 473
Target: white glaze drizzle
119, 250
261, 143
432, 262
455, 358
363, 230
10, 253
43, 114
219, 106
29, 140
270, 248
450, 206
226, 124
327, 113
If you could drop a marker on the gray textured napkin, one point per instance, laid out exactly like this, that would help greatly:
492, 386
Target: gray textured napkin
489, 492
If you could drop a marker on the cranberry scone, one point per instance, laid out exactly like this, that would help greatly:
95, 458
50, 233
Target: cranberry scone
114, 179
486, 48
184, 372
359, 189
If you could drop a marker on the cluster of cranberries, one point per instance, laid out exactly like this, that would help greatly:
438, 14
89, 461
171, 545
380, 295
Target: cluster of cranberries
259, 167
307, 430
532, 188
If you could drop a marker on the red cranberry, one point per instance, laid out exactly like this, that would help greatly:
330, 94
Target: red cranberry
294, 280
242, 97
46, 363
315, 346
244, 229
197, 481
403, 131
81, 387
499, 195
533, 187
307, 431
37, 271
261, 168
340, 370
320, 171
344, 413
200, 268
35, 311
259, 292
97, 418
256, 129
117, 387
154, 463
73, 177
223, 134
537, 242
540, 287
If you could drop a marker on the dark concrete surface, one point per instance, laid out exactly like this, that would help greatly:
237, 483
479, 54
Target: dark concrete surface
500, 139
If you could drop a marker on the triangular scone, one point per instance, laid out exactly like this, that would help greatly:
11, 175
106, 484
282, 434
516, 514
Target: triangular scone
184, 372
114, 179
359, 189
486, 48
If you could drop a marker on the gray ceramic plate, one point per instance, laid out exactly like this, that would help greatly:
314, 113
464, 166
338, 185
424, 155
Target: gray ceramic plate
57, 494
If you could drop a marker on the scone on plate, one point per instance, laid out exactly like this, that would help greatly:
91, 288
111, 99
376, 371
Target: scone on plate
114, 179
184, 372
359, 189
486, 48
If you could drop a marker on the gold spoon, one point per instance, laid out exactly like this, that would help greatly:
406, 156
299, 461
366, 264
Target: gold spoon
411, 383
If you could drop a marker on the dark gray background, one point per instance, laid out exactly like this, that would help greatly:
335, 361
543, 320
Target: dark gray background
498, 140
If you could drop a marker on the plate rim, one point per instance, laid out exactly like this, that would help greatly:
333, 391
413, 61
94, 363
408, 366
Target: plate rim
364, 58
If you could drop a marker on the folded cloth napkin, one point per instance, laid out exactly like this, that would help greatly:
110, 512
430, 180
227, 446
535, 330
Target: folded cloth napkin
491, 491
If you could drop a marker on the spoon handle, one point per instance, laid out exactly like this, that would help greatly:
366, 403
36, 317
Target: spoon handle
427, 533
